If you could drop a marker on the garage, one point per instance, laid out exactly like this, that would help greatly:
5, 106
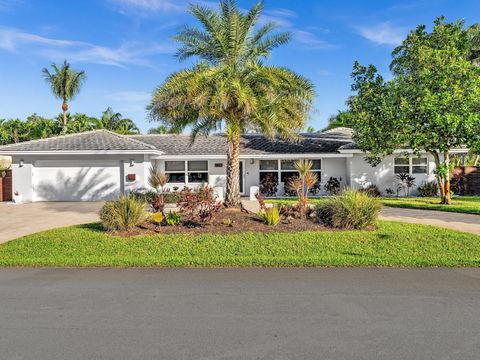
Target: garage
76, 180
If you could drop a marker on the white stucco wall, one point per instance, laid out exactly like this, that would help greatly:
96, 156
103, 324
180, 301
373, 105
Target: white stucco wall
362, 174
23, 175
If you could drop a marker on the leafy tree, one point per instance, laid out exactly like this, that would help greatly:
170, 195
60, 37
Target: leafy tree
81, 123
39, 127
432, 104
341, 119
231, 85
114, 121
65, 84
158, 130
14, 131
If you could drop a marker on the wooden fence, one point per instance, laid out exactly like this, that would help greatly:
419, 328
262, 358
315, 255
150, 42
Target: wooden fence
466, 180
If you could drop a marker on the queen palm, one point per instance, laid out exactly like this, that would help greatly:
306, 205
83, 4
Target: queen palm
65, 84
230, 87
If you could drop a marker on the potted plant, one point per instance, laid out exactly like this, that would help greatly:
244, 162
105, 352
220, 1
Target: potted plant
17, 198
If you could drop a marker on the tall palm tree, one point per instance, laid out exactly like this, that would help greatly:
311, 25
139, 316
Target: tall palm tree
231, 85
65, 84
114, 121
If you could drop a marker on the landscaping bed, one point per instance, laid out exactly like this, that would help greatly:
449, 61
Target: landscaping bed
392, 244
228, 221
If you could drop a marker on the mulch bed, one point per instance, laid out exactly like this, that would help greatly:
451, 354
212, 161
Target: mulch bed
242, 222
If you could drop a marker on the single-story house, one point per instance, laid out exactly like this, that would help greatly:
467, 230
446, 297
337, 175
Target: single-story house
99, 165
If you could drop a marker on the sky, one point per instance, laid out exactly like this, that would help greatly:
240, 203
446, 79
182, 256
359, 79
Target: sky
126, 47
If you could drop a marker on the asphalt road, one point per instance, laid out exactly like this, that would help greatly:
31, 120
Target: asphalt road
240, 314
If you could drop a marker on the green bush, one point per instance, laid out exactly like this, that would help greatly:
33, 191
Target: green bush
173, 218
372, 190
123, 214
428, 189
271, 215
350, 209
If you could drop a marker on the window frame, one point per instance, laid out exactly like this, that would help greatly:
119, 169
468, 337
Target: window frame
186, 172
411, 165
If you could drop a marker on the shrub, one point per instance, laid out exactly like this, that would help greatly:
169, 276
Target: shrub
199, 206
405, 183
261, 201
302, 184
428, 189
228, 222
173, 218
332, 186
350, 209
269, 185
270, 216
389, 192
372, 190
158, 218
123, 214
157, 179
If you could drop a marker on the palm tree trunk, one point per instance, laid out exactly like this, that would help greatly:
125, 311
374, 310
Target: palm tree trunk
232, 196
447, 198
64, 109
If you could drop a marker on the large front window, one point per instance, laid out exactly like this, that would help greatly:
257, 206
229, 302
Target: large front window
282, 171
183, 172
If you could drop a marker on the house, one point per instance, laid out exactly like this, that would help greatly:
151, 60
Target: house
101, 165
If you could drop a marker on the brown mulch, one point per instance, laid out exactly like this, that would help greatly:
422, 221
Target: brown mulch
242, 222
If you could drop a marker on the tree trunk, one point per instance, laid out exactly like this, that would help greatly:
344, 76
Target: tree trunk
441, 186
447, 197
232, 196
64, 109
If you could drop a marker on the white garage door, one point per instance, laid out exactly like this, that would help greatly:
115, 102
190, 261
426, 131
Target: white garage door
76, 180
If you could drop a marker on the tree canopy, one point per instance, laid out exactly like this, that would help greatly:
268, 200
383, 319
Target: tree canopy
432, 104
230, 86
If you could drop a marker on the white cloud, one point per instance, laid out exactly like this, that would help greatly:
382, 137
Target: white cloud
383, 34
310, 39
136, 53
153, 5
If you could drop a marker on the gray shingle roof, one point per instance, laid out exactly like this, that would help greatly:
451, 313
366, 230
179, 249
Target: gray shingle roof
326, 142
101, 140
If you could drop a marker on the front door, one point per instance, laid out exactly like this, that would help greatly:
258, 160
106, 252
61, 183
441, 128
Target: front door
242, 177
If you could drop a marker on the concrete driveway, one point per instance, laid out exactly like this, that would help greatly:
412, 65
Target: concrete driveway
18, 220
230, 314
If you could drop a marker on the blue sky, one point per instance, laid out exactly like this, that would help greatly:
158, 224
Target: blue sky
126, 49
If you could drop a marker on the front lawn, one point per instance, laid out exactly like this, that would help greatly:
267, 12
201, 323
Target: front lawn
464, 204
393, 244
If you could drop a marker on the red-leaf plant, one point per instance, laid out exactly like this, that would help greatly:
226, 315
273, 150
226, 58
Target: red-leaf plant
198, 206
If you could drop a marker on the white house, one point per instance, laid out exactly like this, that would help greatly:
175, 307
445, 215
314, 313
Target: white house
100, 165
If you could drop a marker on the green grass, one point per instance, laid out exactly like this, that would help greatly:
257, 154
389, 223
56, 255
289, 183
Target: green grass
464, 204
393, 244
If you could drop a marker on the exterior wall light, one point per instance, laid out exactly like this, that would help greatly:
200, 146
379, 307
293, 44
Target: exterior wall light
20, 164
132, 162
252, 161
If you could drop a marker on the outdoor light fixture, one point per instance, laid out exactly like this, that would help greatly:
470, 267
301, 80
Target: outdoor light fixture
132, 162
252, 161
20, 164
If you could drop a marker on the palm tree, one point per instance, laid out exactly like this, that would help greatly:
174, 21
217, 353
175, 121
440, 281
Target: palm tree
158, 130
114, 121
65, 83
231, 87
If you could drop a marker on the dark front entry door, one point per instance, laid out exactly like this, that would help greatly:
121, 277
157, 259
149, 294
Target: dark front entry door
241, 177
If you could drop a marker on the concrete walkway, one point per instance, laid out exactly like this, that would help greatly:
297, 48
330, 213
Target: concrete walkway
455, 221
18, 220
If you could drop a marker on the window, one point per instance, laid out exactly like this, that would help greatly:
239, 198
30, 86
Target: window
197, 171
175, 171
410, 165
283, 170
419, 165
401, 165
187, 171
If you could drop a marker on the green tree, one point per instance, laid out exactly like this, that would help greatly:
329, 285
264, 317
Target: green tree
341, 119
432, 104
65, 84
114, 121
39, 127
161, 129
82, 122
231, 85
15, 131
